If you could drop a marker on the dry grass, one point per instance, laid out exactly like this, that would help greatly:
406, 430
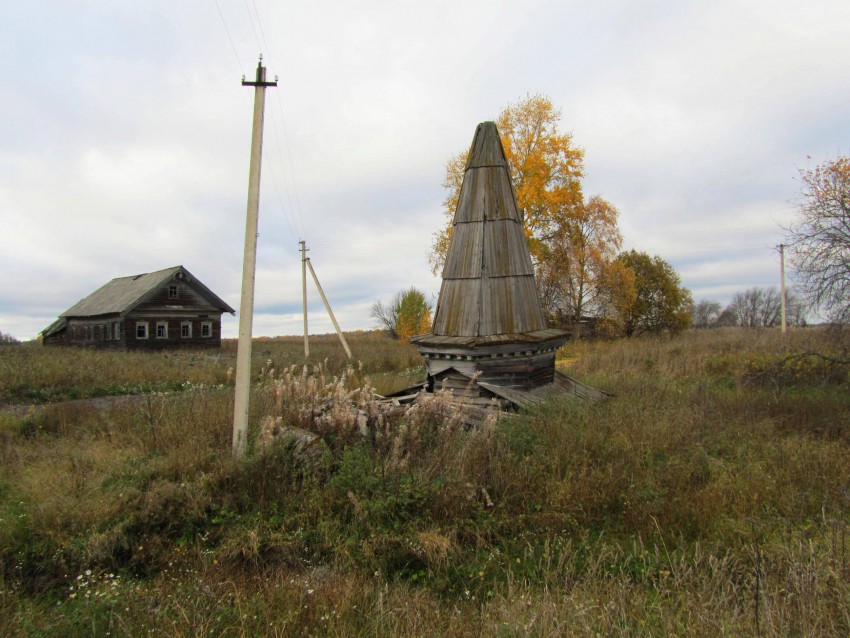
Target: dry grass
34, 374
709, 497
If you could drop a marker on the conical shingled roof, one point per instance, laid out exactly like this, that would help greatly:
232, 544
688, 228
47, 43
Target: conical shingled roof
488, 279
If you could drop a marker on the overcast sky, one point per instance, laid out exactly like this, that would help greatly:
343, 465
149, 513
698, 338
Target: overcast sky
125, 136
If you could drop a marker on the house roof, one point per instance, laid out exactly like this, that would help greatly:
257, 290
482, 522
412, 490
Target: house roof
55, 327
122, 294
488, 279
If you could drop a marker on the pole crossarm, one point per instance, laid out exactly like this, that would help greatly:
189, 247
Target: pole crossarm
261, 76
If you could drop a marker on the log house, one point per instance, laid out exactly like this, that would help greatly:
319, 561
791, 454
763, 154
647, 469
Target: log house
166, 309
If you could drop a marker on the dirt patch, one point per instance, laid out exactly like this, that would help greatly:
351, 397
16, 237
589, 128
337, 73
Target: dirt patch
96, 403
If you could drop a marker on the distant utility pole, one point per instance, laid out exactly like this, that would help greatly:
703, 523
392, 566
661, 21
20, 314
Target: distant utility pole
249, 267
305, 264
304, 295
782, 289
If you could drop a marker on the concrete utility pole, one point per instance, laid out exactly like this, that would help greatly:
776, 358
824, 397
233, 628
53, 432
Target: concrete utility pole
249, 267
304, 295
782, 273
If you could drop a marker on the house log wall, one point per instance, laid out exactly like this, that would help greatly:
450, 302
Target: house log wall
174, 340
92, 333
188, 306
96, 333
58, 339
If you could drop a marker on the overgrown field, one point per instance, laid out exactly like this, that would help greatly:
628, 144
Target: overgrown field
34, 374
710, 496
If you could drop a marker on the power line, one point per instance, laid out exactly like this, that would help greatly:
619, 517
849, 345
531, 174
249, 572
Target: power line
253, 28
282, 117
703, 249
233, 46
283, 208
287, 211
262, 33
291, 165
276, 136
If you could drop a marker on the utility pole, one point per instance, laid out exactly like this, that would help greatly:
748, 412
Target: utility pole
782, 289
249, 267
304, 296
328, 308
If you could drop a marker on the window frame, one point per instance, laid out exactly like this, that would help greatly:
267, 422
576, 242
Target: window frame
173, 291
183, 329
206, 329
143, 325
164, 326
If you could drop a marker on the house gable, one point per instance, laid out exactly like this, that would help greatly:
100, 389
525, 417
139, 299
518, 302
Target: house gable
179, 292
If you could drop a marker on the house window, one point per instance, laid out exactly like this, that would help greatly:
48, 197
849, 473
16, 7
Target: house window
172, 291
117, 330
141, 330
162, 330
206, 328
186, 329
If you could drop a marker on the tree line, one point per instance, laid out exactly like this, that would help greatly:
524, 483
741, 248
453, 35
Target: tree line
7, 340
751, 308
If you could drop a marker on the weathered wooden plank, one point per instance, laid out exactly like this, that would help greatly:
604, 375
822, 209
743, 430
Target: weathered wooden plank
486, 193
463, 260
481, 348
506, 249
514, 306
457, 310
464, 367
562, 385
486, 148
